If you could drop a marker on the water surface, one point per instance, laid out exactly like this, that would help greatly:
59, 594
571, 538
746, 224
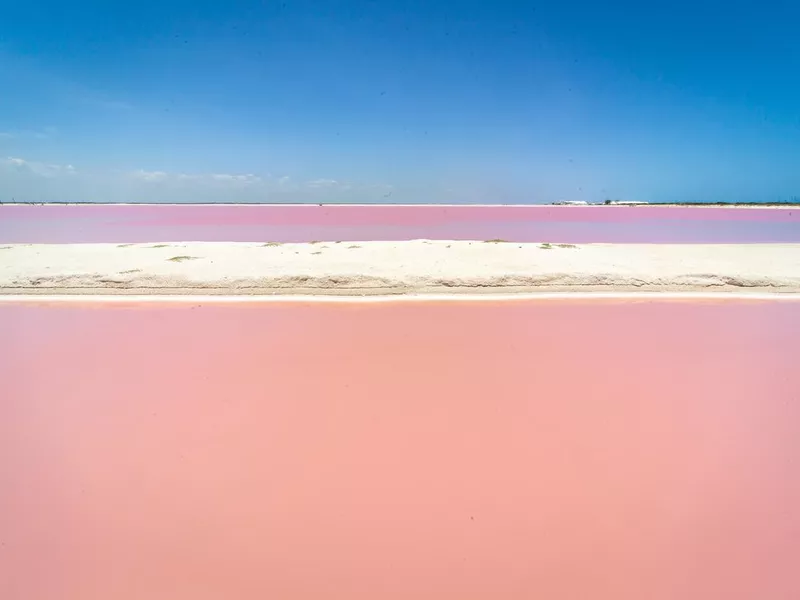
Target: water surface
611, 450
249, 223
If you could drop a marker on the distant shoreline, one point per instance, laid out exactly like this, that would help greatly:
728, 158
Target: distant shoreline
783, 205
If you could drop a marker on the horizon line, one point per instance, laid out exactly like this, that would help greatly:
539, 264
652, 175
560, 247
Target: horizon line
622, 204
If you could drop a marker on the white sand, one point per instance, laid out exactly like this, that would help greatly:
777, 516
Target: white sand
361, 268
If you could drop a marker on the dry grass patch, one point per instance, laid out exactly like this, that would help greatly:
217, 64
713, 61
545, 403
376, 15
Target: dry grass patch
182, 258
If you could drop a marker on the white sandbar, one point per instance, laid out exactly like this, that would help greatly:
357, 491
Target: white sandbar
390, 268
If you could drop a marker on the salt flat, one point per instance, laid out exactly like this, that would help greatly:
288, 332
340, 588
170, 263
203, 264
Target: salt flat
378, 268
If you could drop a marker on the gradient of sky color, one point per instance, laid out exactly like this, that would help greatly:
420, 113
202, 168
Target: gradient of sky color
399, 101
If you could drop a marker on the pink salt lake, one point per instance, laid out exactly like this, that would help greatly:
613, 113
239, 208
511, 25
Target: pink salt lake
602, 449
305, 223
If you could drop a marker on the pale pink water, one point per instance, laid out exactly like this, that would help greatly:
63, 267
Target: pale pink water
608, 450
305, 223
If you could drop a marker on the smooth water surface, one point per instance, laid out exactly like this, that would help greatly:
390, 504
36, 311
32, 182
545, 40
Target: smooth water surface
298, 223
611, 450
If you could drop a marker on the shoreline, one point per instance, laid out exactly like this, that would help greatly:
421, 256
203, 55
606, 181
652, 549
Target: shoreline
47, 298
419, 267
411, 205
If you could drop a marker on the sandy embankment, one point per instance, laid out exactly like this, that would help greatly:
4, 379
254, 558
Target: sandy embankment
370, 268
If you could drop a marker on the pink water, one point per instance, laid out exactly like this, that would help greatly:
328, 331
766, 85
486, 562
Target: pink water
611, 450
252, 223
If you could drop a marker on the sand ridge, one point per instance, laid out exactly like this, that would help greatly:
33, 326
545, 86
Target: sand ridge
373, 267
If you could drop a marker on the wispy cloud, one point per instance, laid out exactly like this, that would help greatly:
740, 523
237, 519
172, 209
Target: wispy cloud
322, 183
227, 178
151, 176
38, 168
222, 178
40, 181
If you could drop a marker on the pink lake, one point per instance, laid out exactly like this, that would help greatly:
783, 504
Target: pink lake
305, 223
604, 449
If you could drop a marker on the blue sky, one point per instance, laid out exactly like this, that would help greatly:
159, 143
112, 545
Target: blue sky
399, 101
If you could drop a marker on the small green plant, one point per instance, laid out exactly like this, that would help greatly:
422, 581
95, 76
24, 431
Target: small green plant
271, 244
124, 245
181, 258
546, 246
353, 246
566, 245
160, 246
495, 241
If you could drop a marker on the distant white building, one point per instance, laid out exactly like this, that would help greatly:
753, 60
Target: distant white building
626, 202
572, 203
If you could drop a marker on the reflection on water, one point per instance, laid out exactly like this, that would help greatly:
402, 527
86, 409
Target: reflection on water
532, 449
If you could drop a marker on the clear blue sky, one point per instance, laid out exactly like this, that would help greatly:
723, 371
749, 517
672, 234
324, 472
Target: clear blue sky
399, 101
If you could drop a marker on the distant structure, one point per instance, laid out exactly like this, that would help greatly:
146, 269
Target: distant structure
605, 203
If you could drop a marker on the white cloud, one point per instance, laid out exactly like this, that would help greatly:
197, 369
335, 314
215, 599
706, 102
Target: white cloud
38, 181
322, 183
227, 178
151, 176
39, 168
333, 185
187, 177
223, 178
